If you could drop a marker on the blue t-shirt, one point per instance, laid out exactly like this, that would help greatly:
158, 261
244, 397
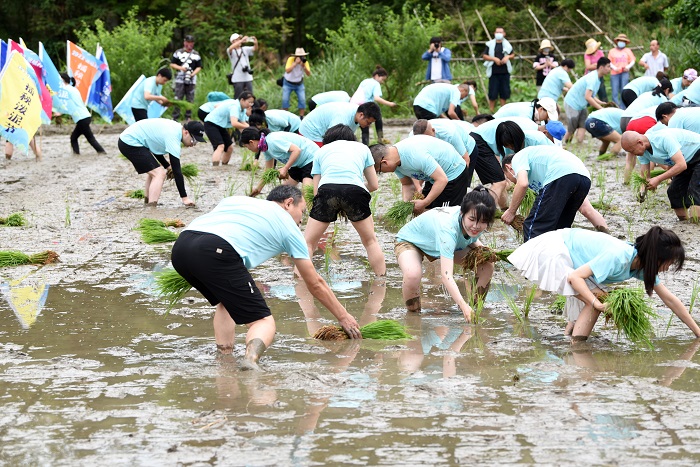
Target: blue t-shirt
642, 85
455, 134
138, 100
544, 164
80, 112
487, 130
667, 142
609, 115
610, 259
257, 229
553, 83
325, 116
278, 144
279, 120
211, 105
367, 91
159, 135
436, 232
330, 96
642, 102
421, 155
687, 118
437, 97
342, 162
515, 109
576, 97
692, 92
222, 114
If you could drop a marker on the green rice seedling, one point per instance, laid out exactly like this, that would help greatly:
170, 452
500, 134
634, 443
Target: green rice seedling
600, 180
476, 301
247, 161
190, 171
601, 205
558, 305
232, 186
196, 186
328, 251
270, 176
308, 192
171, 286
528, 300
184, 105
497, 214
252, 178
383, 329
630, 311
605, 157
17, 258
16, 219
693, 296
157, 234
399, 213
395, 185
136, 194
147, 223
67, 214
373, 202
527, 203
510, 301
477, 256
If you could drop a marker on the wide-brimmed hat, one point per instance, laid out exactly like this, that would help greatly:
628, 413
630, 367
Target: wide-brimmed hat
545, 44
622, 37
300, 52
591, 46
548, 104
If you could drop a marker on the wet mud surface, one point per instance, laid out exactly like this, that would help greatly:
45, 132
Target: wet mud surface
93, 370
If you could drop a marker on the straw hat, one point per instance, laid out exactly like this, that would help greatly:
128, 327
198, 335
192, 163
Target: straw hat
622, 37
591, 46
545, 44
299, 52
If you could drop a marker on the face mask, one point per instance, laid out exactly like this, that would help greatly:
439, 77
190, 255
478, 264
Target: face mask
498, 36
545, 51
621, 44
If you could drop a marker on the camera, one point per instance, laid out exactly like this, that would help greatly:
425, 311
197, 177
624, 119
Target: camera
188, 77
246, 69
303, 59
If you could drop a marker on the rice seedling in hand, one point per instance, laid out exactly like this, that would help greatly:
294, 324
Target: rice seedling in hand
136, 194
518, 223
16, 219
629, 310
605, 157
383, 329
399, 213
308, 192
477, 256
171, 286
527, 203
184, 105
190, 171
270, 176
17, 258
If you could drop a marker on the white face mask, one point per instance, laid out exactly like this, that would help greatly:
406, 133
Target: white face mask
545, 51
498, 36
621, 44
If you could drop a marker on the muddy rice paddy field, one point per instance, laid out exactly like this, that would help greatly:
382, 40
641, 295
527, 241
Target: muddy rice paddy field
93, 370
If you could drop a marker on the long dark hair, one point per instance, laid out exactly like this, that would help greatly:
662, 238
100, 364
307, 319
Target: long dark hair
482, 202
510, 133
664, 84
253, 134
68, 79
657, 247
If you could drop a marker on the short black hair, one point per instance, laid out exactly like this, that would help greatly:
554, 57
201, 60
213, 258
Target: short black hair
420, 126
370, 110
339, 132
257, 117
568, 63
602, 61
252, 134
259, 103
482, 118
245, 95
165, 73
435, 40
665, 109
279, 193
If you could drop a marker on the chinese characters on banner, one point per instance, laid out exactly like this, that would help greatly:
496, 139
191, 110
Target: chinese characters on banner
20, 106
84, 68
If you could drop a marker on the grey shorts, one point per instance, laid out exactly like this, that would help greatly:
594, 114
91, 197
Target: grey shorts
577, 118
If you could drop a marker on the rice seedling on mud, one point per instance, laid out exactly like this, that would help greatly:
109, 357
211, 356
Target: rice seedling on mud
16, 219
629, 310
383, 329
17, 258
171, 286
558, 305
528, 300
247, 161
67, 214
605, 157
136, 194
146, 223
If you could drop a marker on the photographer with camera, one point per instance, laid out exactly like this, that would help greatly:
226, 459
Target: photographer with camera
187, 62
438, 58
241, 76
293, 80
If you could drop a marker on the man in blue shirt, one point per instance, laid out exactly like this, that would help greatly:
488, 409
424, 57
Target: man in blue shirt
438, 58
149, 90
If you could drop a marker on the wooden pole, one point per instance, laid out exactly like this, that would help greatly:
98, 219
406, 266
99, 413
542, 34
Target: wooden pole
488, 34
471, 50
544, 31
595, 26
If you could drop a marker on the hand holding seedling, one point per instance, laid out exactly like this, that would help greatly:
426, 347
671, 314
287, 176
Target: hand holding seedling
283, 175
508, 216
419, 206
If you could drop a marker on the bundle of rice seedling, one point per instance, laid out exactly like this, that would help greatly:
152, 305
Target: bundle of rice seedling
638, 181
189, 171
154, 231
497, 214
605, 157
171, 286
16, 219
558, 305
477, 256
518, 223
527, 203
17, 258
308, 192
399, 213
147, 223
136, 194
629, 310
184, 105
383, 329
418, 195
270, 176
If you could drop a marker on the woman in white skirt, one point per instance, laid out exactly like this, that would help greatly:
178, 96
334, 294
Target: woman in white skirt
577, 262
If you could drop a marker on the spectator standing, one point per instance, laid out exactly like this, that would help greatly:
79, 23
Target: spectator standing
654, 60
544, 62
295, 69
591, 57
621, 61
438, 58
497, 55
187, 62
241, 72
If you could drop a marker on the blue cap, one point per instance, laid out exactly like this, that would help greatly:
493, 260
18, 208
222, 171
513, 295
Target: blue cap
556, 129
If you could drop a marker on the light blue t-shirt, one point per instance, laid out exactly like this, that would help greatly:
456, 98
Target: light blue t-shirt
342, 162
278, 144
211, 105
515, 109
138, 100
667, 142
257, 229
609, 115
325, 116
367, 91
691, 93
544, 164
436, 232
222, 114
553, 83
454, 133
80, 112
610, 259
642, 102
576, 97
159, 135
642, 85
330, 96
421, 155
532, 138
487, 130
687, 118
677, 84
279, 120
437, 97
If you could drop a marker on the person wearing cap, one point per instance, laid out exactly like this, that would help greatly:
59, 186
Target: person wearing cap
682, 82
326, 97
580, 96
438, 58
637, 87
497, 55
440, 98
591, 56
689, 96
217, 250
621, 61
539, 110
557, 81
679, 149
686, 118
150, 89
544, 63
188, 63
145, 144
295, 69
325, 116
231, 113
654, 61
241, 71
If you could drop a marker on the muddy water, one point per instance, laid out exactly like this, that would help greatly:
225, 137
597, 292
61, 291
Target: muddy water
91, 368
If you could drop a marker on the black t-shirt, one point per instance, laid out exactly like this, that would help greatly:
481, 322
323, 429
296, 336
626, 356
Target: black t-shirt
181, 56
498, 53
540, 59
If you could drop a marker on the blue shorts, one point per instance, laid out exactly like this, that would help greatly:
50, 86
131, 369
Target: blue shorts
598, 128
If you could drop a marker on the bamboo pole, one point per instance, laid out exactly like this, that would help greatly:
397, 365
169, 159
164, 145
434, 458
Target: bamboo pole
488, 34
537, 21
595, 26
471, 50
532, 39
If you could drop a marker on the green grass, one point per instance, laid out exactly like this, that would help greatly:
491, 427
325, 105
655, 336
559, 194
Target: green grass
558, 304
136, 194
605, 157
17, 258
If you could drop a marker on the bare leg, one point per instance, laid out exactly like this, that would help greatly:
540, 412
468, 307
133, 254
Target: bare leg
595, 218
580, 134
155, 183
503, 102
312, 234
36, 148
258, 338
603, 146
498, 191
224, 329
411, 266
492, 105
216, 157
226, 157
9, 150
585, 322
375, 254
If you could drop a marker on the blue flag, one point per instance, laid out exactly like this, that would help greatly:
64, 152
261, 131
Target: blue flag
3, 53
61, 103
123, 108
99, 98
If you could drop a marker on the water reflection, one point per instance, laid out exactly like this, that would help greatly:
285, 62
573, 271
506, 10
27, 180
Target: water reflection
26, 297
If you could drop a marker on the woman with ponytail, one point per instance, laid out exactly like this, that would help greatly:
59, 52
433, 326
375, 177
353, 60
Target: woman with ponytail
577, 263
370, 90
294, 151
81, 116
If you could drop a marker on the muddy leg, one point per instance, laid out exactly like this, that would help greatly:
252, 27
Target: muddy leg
253, 351
258, 338
224, 329
584, 324
410, 262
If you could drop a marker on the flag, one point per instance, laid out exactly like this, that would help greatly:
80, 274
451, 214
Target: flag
83, 67
26, 297
156, 110
54, 83
20, 105
123, 109
44, 94
3, 53
99, 98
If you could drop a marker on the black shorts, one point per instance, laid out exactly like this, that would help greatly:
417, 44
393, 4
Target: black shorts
139, 114
140, 157
349, 201
300, 173
684, 190
556, 205
202, 115
454, 191
212, 266
486, 165
421, 113
628, 96
217, 135
499, 86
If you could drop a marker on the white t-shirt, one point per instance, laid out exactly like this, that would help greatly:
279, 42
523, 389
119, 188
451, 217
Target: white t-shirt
239, 76
655, 64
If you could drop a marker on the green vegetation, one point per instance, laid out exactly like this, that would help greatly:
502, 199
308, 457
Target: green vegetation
630, 312
17, 258
383, 329
136, 194
16, 219
398, 214
154, 231
190, 171
171, 286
